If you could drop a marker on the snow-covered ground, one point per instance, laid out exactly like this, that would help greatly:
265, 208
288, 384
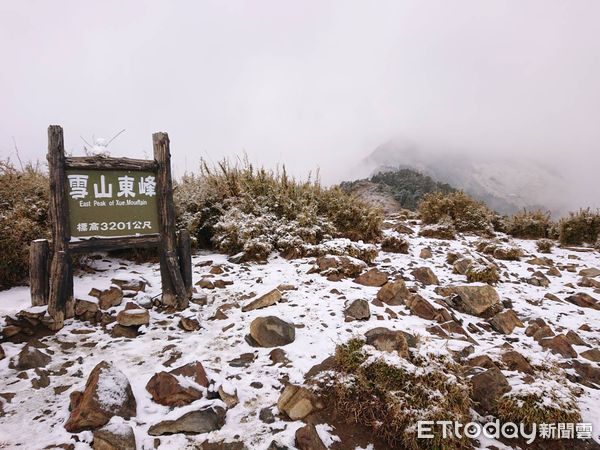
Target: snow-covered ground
34, 418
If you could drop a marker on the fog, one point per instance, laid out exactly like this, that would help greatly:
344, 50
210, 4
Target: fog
311, 84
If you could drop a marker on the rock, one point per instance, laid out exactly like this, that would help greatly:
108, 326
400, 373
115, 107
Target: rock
271, 331
560, 345
107, 393
166, 389
393, 244
487, 388
592, 354
393, 292
228, 396
538, 279
86, 309
442, 230
505, 321
474, 299
108, 297
307, 438
553, 272
403, 229
542, 333
266, 415
133, 317
357, 310
425, 253
119, 331
114, 436
508, 253
574, 339
268, 299
131, 284
345, 266
461, 265
590, 273
515, 361
193, 422
425, 275
583, 300
482, 361
386, 340
297, 402
589, 282
205, 283
287, 287
2, 354
421, 307
590, 373
30, 358
278, 356
373, 278
189, 324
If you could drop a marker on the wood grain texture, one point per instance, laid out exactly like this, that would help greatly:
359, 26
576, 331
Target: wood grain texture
39, 275
95, 244
108, 163
184, 249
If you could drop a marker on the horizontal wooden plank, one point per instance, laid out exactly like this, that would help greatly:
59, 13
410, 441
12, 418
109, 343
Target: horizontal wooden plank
116, 243
107, 163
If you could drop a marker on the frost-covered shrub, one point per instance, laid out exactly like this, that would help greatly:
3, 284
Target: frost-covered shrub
240, 208
343, 246
465, 213
529, 225
23, 218
394, 244
582, 227
444, 229
544, 245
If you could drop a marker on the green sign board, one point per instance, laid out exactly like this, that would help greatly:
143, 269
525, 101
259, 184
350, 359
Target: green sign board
110, 203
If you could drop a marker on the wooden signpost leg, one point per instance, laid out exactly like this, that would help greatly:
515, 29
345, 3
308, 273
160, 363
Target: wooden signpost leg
174, 293
184, 249
39, 257
60, 300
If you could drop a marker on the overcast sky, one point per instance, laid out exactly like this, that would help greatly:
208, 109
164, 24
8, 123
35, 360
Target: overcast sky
306, 83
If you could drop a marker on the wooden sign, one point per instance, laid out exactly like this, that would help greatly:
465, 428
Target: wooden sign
98, 203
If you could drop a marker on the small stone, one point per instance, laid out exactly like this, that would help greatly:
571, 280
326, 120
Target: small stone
30, 358
114, 436
193, 422
393, 292
425, 253
271, 331
133, 317
425, 275
559, 344
297, 402
488, 387
189, 324
592, 354
386, 340
268, 299
373, 277
505, 321
583, 300
515, 361
307, 438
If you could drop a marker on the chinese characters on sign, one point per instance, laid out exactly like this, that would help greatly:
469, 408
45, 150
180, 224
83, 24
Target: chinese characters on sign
112, 203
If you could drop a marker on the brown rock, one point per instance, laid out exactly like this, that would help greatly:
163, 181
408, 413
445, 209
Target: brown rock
107, 393
425, 253
271, 331
474, 299
108, 297
297, 402
307, 438
166, 389
386, 340
114, 437
488, 387
189, 324
421, 307
193, 422
344, 265
583, 300
357, 310
461, 265
425, 275
559, 344
591, 273
592, 354
30, 358
132, 284
268, 299
393, 292
505, 321
372, 277
133, 317
482, 361
515, 361
393, 244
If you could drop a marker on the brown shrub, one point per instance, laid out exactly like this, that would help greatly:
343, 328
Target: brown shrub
465, 213
529, 225
582, 227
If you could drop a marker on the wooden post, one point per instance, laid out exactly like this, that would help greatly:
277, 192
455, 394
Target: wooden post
39, 265
173, 286
184, 247
60, 300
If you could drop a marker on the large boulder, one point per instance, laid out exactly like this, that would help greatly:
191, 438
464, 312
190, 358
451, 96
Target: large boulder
107, 393
386, 340
268, 299
271, 331
393, 292
194, 422
487, 388
373, 277
559, 344
166, 389
297, 402
475, 299
114, 436
357, 310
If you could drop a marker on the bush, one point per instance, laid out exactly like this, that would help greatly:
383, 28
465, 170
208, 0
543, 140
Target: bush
465, 213
529, 225
391, 399
23, 218
582, 227
544, 245
239, 208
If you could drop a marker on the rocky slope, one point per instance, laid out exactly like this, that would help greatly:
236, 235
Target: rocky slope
234, 370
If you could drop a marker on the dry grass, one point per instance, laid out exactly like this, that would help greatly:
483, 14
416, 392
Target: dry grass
532, 409
390, 399
544, 245
529, 225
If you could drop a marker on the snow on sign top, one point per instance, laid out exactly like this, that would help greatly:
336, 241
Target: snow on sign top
110, 203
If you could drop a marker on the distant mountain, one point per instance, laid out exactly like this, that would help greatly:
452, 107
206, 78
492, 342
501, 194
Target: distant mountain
506, 185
